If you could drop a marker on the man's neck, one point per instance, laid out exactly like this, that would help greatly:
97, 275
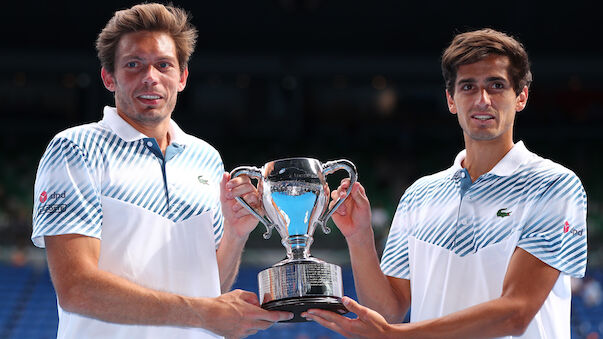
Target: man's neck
483, 155
159, 131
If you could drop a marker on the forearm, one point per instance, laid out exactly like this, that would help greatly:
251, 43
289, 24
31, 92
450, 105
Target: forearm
527, 284
108, 297
492, 319
111, 298
372, 286
229, 259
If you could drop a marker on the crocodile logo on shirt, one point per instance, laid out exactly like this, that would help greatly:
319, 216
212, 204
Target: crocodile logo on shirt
203, 180
503, 213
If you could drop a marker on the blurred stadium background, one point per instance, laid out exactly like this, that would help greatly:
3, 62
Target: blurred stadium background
326, 79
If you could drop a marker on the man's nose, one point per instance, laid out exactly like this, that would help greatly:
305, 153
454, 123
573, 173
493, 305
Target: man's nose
150, 76
484, 99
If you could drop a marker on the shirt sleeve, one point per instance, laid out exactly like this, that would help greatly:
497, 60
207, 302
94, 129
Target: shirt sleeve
66, 194
555, 232
394, 262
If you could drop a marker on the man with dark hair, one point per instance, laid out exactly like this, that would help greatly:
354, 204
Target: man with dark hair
485, 248
141, 228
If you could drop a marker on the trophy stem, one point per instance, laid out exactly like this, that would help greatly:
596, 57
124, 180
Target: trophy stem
298, 246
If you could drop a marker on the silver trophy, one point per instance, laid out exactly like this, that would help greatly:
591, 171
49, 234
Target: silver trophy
295, 196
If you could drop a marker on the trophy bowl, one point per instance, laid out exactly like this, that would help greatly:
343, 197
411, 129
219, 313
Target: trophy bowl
294, 197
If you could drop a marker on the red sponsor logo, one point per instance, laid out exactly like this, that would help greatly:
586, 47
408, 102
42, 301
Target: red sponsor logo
573, 230
566, 227
43, 197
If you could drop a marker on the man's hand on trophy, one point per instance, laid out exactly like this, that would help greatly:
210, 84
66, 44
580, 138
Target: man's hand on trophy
368, 324
235, 215
237, 314
353, 217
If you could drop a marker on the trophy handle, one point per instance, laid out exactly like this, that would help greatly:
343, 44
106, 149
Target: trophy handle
328, 168
253, 172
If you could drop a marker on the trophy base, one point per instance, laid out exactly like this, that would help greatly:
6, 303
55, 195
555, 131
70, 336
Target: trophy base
298, 305
300, 285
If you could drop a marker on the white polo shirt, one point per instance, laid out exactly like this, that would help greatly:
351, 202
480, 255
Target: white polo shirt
158, 218
453, 239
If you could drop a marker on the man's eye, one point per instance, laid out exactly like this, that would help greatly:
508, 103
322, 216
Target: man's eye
466, 87
131, 64
498, 85
164, 65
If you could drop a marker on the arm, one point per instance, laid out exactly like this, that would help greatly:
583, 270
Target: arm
229, 259
85, 289
388, 296
527, 284
238, 223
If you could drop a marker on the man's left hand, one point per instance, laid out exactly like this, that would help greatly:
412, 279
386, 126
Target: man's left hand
237, 219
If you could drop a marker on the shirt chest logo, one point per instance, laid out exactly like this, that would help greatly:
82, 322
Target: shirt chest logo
202, 180
503, 213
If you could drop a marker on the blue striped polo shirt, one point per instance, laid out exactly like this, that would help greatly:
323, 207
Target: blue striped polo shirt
453, 238
158, 217
112, 159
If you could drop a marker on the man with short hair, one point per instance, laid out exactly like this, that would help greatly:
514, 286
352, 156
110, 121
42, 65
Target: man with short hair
141, 228
485, 248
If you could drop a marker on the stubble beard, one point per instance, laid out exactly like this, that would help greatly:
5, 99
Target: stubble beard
148, 116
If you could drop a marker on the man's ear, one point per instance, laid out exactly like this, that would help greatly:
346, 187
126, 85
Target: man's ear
522, 99
182, 82
108, 80
451, 104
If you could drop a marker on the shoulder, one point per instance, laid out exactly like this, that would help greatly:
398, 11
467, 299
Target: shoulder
430, 182
424, 188
202, 156
85, 137
80, 147
200, 144
546, 179
543, 171
76, 146
201, 147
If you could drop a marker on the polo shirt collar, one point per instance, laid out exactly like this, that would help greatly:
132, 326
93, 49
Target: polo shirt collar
506, 166
128, 133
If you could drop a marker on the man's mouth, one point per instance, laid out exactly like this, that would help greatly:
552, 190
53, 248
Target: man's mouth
482, 117
149, 97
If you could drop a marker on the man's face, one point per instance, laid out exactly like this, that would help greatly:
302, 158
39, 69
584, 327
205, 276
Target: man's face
147, 77
484, 100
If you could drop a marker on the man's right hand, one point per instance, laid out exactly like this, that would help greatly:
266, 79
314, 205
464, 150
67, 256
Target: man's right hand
237, 314
353, 217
